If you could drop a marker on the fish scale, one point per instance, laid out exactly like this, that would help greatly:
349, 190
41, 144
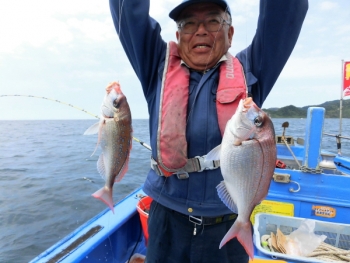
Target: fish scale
247, 157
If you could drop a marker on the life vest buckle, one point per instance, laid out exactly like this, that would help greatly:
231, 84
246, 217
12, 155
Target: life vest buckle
206, 164
196, 164
154, 166
181, 175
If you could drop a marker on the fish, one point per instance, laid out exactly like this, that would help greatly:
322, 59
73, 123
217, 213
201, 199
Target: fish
247, 157
115, 138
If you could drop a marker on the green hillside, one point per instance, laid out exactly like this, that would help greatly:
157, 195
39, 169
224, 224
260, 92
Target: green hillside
331, 107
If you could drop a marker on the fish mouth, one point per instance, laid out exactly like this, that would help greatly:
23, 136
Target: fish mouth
248, 102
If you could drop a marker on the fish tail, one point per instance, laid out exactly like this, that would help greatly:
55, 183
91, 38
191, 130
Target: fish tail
243, 232
105, 195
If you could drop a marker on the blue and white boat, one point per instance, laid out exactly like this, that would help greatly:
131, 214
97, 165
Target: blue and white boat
308, 183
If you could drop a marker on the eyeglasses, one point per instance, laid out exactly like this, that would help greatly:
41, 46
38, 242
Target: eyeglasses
211, 23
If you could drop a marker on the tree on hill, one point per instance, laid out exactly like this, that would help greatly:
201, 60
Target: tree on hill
331, 108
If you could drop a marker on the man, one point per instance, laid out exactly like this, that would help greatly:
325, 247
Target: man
191, 89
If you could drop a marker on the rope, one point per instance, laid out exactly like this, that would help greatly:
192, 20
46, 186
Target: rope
75, 107
324, 252
330, 253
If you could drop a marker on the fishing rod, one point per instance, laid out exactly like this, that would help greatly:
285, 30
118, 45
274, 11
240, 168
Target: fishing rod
338, 138
75, 107
58, 101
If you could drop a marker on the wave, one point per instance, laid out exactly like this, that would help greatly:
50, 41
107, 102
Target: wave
13, 170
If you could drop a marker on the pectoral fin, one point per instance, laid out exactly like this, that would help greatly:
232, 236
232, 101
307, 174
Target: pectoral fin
93, 129
214, 154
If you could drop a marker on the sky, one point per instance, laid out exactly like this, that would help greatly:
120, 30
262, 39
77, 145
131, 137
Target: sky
69, 51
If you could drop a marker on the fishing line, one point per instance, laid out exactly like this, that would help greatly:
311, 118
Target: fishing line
77, 108
246, 44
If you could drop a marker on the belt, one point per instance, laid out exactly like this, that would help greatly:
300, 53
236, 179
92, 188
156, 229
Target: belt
196, 164
203, 220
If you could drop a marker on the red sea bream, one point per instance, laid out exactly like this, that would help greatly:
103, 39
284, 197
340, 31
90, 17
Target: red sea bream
247, 157
115, 138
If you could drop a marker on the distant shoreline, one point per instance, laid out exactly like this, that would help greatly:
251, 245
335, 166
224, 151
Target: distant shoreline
331, 110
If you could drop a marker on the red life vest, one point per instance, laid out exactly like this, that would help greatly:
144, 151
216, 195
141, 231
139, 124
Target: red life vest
171, 137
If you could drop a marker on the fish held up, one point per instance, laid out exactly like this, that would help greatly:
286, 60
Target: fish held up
247, 157
115, 138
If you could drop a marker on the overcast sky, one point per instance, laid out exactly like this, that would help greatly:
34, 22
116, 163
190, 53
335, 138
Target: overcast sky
68, 50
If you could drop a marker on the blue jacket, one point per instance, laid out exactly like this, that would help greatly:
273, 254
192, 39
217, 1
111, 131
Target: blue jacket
279, 25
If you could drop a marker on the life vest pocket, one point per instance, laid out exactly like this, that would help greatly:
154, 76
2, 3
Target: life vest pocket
230, 95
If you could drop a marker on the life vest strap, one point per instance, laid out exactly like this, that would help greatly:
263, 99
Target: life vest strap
196, 164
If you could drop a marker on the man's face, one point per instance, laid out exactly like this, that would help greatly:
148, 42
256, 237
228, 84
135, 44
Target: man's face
202, 49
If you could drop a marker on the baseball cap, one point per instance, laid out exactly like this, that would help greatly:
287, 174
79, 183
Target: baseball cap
185, 3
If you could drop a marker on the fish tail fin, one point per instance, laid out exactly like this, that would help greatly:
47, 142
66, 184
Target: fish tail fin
243, 232
105, 195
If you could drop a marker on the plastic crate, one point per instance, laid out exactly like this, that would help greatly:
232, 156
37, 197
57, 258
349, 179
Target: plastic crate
338, 235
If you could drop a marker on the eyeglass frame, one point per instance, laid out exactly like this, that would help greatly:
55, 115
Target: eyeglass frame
222, 23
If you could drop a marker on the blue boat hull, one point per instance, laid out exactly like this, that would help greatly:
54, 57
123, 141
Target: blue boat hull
112, 237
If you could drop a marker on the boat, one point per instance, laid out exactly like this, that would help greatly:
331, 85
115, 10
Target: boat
308, 183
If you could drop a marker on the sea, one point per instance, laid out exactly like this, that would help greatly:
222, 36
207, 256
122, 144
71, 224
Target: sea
47, 176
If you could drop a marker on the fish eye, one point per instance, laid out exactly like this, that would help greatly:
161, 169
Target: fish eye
116, 103
258, 121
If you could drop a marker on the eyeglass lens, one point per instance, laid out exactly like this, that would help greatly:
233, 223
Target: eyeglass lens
191, 25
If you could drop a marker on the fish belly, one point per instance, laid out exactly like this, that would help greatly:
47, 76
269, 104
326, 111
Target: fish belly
247, 170
116, 145
242, 168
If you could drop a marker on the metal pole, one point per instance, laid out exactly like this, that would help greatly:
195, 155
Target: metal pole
340, 109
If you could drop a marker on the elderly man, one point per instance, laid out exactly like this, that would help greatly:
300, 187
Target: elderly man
192, 87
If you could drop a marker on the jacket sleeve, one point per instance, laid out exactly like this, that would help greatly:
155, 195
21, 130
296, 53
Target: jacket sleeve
140, 38
278, 29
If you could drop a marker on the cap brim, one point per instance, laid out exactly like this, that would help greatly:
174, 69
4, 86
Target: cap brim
174, 14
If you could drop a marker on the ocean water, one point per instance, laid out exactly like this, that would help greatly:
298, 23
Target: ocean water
43, 193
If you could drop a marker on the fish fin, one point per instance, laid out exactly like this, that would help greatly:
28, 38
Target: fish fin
122, 171
101, 166
93, 129
105, 195
214, 154
243, 232
226, 197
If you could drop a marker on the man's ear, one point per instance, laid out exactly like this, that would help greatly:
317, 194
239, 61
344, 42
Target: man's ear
231, 32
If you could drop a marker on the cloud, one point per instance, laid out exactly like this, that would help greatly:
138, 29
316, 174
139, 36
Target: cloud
69, 50
319, 67
328, 5
95, 30
37, 23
